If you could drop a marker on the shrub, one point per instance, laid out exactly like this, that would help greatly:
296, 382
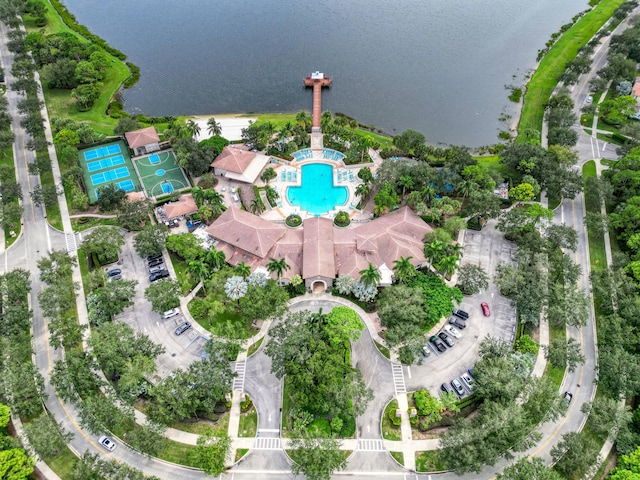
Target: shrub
348, 427
342, 219
526, 344
293, 220
320, 427
396, 421
246, 405
220, 408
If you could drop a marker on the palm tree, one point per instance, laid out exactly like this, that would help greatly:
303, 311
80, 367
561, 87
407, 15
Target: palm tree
406, 181
215, 258
428, 193
213, 127
414, 198
277, 266
363, 143
193, 127
447, 265
198, 195
257, 207
404, 269
454, 249
434, 251
236, 288
200, 271
363, 191
370, 276
466, 188
303, 119
243, 269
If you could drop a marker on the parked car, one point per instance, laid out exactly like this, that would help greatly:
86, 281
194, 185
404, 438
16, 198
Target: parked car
458, 322
107, 443
445, 387
471, 373
438, 343
153, 256
158, 275
182, 328
426, 350
460, 313
156, 268
445, 338
568, 396
114, 278
453, 331
458, 387
468, 381
155, 261
114, 272
171, 313
485, 309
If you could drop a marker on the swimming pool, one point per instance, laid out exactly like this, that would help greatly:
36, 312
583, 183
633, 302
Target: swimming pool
317, 194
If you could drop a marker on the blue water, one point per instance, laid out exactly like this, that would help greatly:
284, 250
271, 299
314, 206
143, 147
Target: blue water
317, 194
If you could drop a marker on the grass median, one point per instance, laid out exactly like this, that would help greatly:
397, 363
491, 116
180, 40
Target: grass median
555, 61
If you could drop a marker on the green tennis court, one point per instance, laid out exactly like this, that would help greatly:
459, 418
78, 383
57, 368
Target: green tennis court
160, 174
107, 165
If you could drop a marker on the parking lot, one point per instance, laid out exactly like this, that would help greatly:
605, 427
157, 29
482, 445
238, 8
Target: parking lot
181, 350
487, 248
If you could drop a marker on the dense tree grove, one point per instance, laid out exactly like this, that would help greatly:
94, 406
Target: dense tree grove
312, 350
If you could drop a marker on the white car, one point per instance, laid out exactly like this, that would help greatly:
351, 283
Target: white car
107, 443
171, 313
453, 331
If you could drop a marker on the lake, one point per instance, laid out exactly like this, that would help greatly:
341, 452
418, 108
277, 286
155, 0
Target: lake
436, 66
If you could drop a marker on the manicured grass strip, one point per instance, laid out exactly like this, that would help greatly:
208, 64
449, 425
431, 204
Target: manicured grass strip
254, 348
248, 424
553, 202
608, 163
597, 254
179, 453
203, 427
241, 452
554, 63
383, 350
62, 463
429, 461
553, 373
277, 119
398, 456
7, 160
375, 137
390, 431
84, 223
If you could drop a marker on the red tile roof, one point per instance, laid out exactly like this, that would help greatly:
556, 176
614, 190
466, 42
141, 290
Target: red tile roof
142, 137
234, 159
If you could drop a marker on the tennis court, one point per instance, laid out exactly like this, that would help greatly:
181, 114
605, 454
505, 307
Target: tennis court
105, 163
108, 165
160, 174
103, 151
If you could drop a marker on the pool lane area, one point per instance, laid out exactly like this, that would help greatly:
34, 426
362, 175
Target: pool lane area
317, 193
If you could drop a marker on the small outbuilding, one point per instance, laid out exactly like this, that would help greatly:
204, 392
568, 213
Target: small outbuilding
143, 141
239, 163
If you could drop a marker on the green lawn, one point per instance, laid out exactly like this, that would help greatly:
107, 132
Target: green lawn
383, 350
241, 452
83, 263
277, 119
607, 162
597, 254
553, 373
254, 348
203, 426
62, 463
383, 140
553, 202
84, 223
398, 456
248, 423
286, 405
389, 431
182, 273
7, 160
493, 165
179, 453
429, 461
59, 102
553, 64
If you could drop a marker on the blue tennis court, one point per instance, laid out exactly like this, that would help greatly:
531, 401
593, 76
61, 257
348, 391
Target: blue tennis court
126, 185
104, 177
102, 152
105, 163
167, 188
154, 159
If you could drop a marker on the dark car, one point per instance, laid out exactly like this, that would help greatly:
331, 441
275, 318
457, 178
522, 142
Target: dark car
471, 372
458, 322
460, 313
115, 278
485, 309
158, 275
155, 261
182, 328
445, 338
153, 256
445, 387
458, 387
114, 272
438, 343
568, 396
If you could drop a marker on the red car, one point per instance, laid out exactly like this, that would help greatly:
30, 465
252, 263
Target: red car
485, 309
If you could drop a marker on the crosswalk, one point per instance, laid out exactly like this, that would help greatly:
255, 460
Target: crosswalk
371, 445
398, 379
238, 382
70, 242
267, 443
